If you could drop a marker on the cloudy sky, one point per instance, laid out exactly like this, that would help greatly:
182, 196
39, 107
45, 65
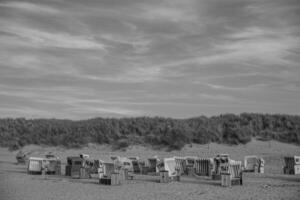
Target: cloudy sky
80, 59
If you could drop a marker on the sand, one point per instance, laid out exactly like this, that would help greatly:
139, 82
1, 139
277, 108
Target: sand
16, 184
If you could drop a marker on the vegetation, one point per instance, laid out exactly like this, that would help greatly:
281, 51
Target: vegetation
161, 132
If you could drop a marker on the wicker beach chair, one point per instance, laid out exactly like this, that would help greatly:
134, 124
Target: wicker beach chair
232, 174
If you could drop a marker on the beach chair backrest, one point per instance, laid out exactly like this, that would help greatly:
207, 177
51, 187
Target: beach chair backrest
136, 166
91, 165
289, 162
170, 166
108, 169
74, 161
152, 163
181, 165
250, 162
235, 170
202, 166
51, 164
35, 164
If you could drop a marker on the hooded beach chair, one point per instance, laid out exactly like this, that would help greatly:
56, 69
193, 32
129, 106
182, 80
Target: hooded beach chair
35, 165
232, 174
152, 165
109, 174
190, 161
136, 166
203, 166
169, 170
292, 165
254, 164
220, 164
74, 164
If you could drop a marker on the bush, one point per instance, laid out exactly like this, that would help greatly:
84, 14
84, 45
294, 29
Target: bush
157, 131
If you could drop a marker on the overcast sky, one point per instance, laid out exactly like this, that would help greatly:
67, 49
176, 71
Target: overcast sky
80, 59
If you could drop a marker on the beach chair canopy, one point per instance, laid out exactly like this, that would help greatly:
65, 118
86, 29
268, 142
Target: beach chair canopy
35, 164
297, 160
134, 158
122, 162
222, 158
170, 166
190, 160
74, 161
84, 156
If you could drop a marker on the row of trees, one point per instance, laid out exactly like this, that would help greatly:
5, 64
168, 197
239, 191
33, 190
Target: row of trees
158, 131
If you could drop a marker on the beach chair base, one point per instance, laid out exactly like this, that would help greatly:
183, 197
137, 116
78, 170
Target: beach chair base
216, 177
105, 181
165, 178
34, 172
288, 170
294, 170
297, 169
227, 181
175, 178
115, 179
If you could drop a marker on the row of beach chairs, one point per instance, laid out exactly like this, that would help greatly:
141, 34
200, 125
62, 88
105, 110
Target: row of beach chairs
114, 172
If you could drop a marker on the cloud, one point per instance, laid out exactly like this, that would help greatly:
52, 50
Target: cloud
38, 38
81, 59
29, 7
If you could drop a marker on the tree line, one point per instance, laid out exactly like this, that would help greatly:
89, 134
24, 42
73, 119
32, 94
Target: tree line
157, 131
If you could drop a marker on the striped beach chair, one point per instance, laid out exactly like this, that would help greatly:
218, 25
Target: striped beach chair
203, 166
232, 174
292, 165
220, 165
181, 165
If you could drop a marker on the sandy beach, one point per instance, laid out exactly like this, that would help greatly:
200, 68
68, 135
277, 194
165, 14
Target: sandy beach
16, 184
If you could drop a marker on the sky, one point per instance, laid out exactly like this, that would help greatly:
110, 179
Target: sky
80, 59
